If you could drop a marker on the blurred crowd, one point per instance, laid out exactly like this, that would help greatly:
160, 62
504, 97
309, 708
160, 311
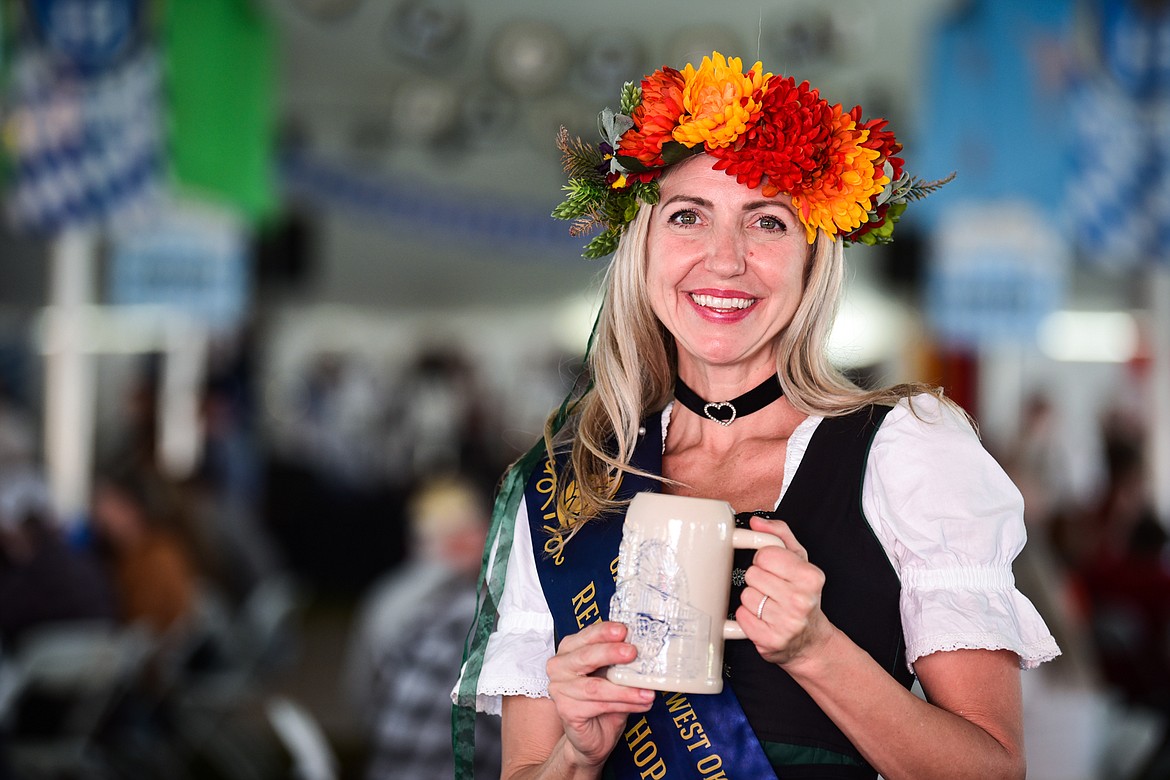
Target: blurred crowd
1097, 565
142, 639
145, 638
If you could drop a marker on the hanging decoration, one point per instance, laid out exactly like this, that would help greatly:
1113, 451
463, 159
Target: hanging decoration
221, 89
530, 58
805, 42
391, 203
1118, 196
423, 110
83, 134
89, 35
607, 59
487, 115
429, 33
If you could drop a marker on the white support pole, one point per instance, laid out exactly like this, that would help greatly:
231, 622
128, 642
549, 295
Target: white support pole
69, 375
1159, 445
180, 434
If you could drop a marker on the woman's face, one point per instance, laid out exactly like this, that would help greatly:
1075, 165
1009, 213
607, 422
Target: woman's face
725, 268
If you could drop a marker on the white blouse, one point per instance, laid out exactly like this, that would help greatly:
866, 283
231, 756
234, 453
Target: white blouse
950, 521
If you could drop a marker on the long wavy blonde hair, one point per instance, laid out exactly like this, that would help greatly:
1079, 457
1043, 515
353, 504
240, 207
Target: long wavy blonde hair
633, 364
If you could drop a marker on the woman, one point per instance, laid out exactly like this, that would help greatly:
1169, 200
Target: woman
154, 577
730, 195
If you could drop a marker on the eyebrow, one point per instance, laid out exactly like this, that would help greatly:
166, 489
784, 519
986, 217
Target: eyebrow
689, 199
761, 204
755, 204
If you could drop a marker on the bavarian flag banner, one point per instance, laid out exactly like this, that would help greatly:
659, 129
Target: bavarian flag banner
83, 131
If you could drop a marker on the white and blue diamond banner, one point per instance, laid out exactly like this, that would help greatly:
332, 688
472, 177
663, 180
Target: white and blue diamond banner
1118, 188
85, 142
1118, 206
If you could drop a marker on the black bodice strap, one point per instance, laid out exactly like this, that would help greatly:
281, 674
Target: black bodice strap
861, 597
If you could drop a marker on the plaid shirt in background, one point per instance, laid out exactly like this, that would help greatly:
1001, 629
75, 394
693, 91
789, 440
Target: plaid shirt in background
412, 731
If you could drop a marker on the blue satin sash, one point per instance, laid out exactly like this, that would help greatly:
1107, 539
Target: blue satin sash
700, 736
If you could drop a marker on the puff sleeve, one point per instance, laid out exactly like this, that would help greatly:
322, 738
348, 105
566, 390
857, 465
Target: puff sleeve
951, 522
517, 651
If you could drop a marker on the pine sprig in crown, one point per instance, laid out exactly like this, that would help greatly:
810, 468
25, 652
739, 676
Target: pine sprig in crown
843, 174
591, 202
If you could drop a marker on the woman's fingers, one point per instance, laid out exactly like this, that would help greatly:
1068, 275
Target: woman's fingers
594, 687
781, 572
575, 671
591, 649
781, 530
592, 709
590, 697
602, 631
781, 605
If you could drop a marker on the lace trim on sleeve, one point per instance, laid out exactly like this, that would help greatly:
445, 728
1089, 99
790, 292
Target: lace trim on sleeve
1031, 654
490, 696
974, 618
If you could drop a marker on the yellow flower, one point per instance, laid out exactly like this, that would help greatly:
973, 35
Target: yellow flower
840, 199
719, 101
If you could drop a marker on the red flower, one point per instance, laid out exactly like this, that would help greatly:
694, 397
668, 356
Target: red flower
655, 117
881, 140
784, 150
838, 200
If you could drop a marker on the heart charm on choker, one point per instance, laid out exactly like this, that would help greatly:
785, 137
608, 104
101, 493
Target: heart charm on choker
722, 412
727, 412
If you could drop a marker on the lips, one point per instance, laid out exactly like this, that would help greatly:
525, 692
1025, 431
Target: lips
721, 303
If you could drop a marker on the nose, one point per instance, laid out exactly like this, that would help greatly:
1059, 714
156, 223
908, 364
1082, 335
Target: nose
726, 253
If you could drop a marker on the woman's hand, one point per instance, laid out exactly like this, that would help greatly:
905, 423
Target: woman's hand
592, 709
790, 625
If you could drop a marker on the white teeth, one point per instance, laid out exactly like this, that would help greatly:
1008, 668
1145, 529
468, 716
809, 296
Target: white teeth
711, 302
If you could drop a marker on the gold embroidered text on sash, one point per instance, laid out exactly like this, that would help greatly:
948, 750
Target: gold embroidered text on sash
556, 510
694, 736
585, 606
644, 751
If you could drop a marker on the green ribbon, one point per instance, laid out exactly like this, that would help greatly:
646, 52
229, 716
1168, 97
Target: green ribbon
493, 568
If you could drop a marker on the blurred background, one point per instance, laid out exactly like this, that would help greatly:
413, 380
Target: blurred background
280, 299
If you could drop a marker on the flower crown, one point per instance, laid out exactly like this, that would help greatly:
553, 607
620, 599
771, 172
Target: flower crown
843, 174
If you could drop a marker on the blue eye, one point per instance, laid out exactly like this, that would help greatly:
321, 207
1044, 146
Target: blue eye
684, 217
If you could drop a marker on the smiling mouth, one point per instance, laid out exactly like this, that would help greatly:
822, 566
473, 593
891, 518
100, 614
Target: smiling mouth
722, 304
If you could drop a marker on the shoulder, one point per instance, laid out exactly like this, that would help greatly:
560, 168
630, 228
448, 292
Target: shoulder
927, 416
927, 463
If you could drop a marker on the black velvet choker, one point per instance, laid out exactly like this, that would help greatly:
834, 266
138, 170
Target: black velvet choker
727, 412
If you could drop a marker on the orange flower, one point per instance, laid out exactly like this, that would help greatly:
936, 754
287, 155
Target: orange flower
654, 118
839, 200
720, 101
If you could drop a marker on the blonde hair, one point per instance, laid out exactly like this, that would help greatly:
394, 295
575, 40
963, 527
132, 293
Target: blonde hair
633, 364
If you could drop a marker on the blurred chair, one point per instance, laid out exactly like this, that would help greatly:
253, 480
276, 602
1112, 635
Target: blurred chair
312, 757
64, 681
219, 706
266, 625
233, 651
